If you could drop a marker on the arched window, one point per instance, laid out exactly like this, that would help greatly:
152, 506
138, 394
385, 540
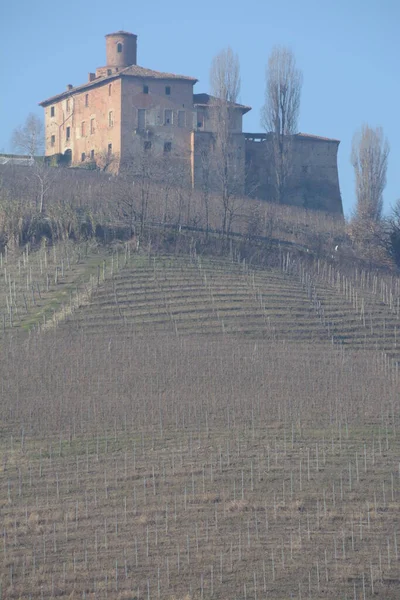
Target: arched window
119, 47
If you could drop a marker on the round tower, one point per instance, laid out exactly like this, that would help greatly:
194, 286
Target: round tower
121, 49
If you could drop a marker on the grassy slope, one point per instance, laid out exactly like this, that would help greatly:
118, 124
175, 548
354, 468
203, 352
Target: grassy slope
197, 430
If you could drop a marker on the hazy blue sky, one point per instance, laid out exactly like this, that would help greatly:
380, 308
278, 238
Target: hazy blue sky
348, 51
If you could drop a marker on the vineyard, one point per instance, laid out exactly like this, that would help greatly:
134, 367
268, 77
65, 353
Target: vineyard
184, 426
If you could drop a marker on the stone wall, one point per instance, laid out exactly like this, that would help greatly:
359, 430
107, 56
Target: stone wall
313, 177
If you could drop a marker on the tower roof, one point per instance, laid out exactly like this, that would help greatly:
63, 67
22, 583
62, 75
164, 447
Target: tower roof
120, 32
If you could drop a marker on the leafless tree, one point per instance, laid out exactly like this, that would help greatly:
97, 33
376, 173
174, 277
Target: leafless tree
141, 173
369, 157
173, 167
225, 76
45, 177
106, 161
280, 113
174, 184
392, 230
206, 168
29, 137
127, 202
225, 88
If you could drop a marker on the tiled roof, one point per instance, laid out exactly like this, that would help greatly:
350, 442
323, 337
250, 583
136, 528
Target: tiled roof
132, 71
205, 99
78, 88
136, 71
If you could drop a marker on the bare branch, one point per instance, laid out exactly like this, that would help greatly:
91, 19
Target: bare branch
29, 137
280, 112
225, 76
225, 88
284, 81
369, 157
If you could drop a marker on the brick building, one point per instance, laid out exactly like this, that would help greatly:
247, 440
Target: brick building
125, 110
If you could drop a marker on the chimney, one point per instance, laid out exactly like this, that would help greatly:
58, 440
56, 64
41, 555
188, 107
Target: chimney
69, 86
92, 76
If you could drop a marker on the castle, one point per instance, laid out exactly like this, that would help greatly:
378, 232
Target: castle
125, 110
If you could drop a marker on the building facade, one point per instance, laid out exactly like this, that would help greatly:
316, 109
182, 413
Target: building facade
125, 111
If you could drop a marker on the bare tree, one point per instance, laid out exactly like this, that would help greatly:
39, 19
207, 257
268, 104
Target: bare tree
280, 113
106, 161
173, 176
127, 202
141, 172
225, 76
29, 137
206, 168
225, 88
392, 227
45, 177
369, 157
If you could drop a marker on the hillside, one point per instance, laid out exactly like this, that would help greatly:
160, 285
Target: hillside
297, 300
186, 426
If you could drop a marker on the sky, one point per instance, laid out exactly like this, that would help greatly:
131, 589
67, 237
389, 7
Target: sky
348, 51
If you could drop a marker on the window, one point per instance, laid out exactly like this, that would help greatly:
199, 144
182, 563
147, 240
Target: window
109, 149
167, 90
145, 89
109, 90
83, 157
147, 145
92, 154
68, 105
167, 146
200, 118
53, 140
52, 111
119, 48
141, 119
92, 126
109, 72
68, 133
111, 118
83, 129
87, 100
234, 120
181, 118
168, 117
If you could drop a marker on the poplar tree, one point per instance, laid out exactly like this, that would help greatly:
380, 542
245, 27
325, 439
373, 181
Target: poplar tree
280, 113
